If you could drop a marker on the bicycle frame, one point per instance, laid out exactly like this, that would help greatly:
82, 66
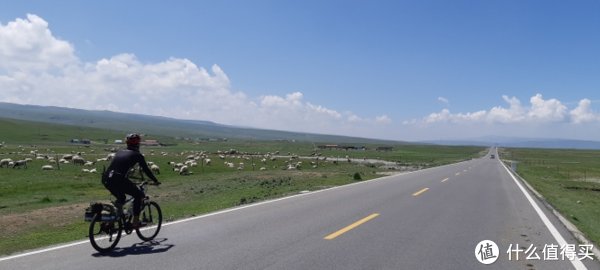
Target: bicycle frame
113, 223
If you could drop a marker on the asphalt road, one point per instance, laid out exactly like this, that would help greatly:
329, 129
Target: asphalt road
430, 219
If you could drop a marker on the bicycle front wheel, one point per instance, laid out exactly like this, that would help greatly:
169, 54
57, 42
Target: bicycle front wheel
152, 216
104, 235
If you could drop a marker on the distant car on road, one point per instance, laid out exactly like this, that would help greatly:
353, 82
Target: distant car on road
492, 156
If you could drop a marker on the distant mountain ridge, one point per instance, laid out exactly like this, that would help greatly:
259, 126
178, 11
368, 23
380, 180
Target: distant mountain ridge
164, 126
522, 142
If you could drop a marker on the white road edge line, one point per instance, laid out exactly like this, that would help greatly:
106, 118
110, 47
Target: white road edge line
559, 238
231, 210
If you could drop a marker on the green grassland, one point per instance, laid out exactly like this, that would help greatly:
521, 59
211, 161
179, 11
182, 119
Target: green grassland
568, 179
39, 208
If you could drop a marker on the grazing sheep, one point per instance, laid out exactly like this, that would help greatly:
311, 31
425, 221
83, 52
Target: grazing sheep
207, 161
19, 164
93, 170
78, 160
88, 164
47, 168
184, 170
155, 169
67, 157
263, 169
5, 162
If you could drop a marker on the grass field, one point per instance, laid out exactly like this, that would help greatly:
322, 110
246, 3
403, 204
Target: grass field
568, 179
39, 208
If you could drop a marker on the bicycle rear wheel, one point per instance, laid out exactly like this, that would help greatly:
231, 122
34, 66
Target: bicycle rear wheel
104, 235
152, 216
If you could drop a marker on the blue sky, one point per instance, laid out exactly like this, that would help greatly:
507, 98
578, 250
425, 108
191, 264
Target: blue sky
403, 70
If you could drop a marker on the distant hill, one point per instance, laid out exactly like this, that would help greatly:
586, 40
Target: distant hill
161, 126
522, 142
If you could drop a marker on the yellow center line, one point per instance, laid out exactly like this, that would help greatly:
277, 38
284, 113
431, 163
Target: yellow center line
420, 191
446, 179
350, 227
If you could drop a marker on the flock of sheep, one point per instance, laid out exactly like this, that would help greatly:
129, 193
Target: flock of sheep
189, 159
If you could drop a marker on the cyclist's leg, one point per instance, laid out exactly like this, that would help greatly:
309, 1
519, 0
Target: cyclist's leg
131, 189
116, 189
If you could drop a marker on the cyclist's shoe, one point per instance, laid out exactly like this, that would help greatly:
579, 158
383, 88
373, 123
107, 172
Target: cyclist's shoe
137, 225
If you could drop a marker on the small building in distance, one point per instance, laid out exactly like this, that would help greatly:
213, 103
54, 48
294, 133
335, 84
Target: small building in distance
341, 147
81, 141
150, 143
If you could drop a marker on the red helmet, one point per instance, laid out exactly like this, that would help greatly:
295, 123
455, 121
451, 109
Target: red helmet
133, 139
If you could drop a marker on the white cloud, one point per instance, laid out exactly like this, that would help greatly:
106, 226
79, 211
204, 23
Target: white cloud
384, 119
514, 113
28, 45
38, 68
583, 113
546, 110
443, 100
540, 111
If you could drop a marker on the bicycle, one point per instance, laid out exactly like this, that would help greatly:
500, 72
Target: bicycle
107, 226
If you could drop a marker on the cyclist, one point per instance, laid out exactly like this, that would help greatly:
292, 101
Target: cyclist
116, 181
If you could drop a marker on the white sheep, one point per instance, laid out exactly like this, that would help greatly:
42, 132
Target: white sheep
78, 160
93, 170
47, 168
19, 164
155, 169
207, 161
88, 164
5, 162
184, 170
